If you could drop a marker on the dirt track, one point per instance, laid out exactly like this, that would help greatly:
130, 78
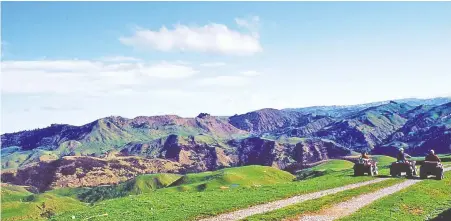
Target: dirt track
263, 208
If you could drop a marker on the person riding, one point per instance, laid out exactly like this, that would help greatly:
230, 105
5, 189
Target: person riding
432, 157
402, 157
365, 155
364, 158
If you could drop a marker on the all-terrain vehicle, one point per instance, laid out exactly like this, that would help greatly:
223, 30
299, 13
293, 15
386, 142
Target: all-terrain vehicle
408, 167
431, 168
365, 166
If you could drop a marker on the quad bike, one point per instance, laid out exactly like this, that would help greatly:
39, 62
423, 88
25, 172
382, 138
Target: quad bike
365, 166
431, 168
408, 167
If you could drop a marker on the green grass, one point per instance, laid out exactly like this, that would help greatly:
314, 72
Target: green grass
334, 165
173, 204
383, 161
294, 211
67, 191
14, 193
246, 176
14, 160
27, 206
322, 169
139, 185
421, 201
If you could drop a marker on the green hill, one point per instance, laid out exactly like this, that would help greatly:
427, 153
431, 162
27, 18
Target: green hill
246, 176
12, 193
20, 204
322, 169
382, 160
140, 184
334, 165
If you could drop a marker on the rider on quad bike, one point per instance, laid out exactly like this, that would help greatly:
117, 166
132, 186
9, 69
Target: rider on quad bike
402, 157
364, 156
403, 165
431, 166
365, 165
432, 157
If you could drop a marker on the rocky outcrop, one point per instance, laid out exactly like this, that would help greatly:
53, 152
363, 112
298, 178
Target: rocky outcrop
194, 153
86, 171
258, 151
288, 156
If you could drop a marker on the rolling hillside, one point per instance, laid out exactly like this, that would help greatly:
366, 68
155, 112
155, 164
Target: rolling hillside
288, 140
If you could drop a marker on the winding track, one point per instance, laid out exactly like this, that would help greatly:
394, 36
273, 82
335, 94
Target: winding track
338, 211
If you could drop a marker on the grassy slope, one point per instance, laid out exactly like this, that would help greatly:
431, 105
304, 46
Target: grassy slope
246, 176
311, 206
334, 165
13, 193
421, 201
140, 184
383, 161
19, 204
167, 204
322, 169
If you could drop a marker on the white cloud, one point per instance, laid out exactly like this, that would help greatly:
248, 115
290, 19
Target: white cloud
168, 70
84, 76
210, 38
251, 23
242, 79
213, 64
173, 93
119, 58
250, 73
225, 80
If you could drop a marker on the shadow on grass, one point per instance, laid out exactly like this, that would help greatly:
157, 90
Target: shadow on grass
444, 216
384, 176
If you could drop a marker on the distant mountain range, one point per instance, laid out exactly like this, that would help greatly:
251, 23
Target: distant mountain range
288, 139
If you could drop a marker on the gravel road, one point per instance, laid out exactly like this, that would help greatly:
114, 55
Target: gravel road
348, 207
263, 208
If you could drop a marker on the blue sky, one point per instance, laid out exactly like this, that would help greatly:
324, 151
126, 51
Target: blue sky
74, 62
